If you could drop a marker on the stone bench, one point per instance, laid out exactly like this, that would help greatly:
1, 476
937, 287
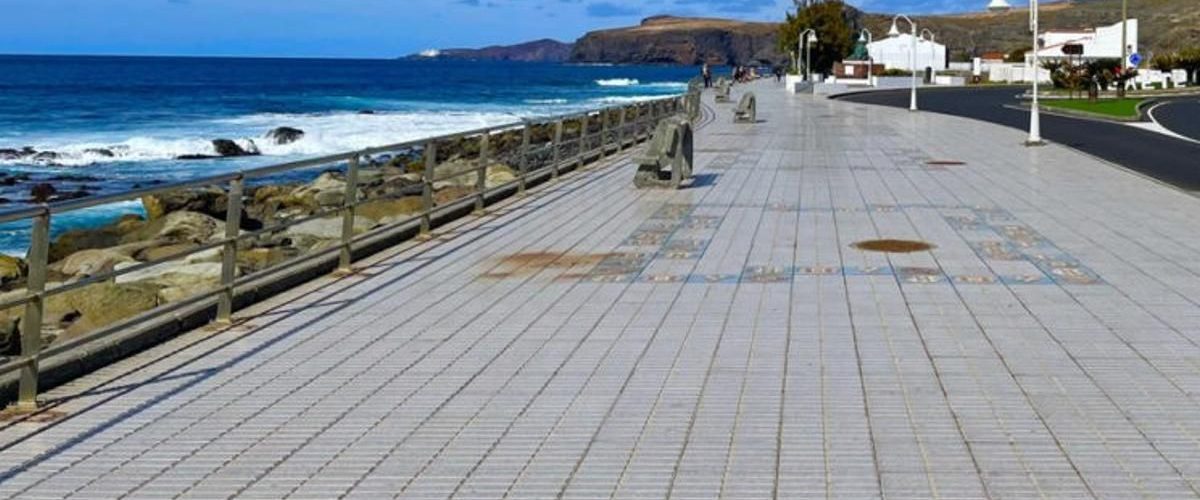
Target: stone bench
723, 87
666, 162
747, 109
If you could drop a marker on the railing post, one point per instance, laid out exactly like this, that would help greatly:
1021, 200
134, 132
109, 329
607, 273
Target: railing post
621, 129
557, 148
31, 323
524, 157
481, 180
233, 226
427, 177
603, 134
583, 130
349, 203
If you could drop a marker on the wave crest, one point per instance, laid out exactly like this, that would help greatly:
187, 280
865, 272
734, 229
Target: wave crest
618, 82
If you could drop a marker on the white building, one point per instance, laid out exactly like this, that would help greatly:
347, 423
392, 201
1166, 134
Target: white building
893, 53
1099, 43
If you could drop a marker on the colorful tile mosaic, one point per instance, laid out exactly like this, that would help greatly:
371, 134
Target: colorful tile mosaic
1019, 242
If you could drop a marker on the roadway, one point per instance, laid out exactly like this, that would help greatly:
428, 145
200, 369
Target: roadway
1162, 157
1181, 116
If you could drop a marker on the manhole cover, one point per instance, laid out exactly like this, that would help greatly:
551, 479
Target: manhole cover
945, 163
893, 246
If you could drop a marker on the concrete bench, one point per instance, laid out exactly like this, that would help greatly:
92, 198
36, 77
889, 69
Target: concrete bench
666, 162
723, 87
747, 109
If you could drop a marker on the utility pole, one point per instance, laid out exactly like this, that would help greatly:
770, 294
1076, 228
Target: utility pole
1124, 44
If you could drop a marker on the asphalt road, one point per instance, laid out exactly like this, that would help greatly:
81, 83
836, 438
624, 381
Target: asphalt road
1181, 116
1168, 159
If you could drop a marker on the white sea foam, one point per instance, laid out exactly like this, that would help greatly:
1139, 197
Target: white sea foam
629, 99
618, 82
666, 85
546, 101
323, 134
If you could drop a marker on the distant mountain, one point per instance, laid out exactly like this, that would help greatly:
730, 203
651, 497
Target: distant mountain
682, 40
545, 50
1165, 25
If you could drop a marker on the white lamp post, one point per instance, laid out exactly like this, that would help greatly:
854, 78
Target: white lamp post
807, 38
912, 55
866, 37
1035, 112
932, 54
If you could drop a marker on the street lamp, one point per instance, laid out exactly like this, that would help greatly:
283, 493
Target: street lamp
1035, 112
912, 55
932, 54
866, 37
807, 38
1124, 42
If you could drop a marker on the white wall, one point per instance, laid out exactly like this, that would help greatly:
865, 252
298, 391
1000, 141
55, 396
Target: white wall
893, 53
1103, 43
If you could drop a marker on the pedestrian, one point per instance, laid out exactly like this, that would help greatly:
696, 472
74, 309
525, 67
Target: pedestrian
706, 72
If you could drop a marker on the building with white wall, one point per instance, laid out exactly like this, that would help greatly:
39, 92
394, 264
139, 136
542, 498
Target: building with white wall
894, 52
1098, 43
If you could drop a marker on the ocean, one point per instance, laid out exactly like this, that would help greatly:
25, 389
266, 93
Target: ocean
115, 123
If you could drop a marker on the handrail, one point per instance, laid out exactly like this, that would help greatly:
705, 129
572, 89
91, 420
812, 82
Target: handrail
530, 160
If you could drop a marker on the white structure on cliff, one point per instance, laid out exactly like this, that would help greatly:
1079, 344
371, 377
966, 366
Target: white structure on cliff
893, 53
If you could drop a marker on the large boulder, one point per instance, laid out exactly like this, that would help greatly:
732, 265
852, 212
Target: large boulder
178, 280
328, 228
327, 190
212, 202
269, 204
386, 211
285, 135
227, 148
12, 269
93, 307
258, 259
91, 262
83, 239
180, 227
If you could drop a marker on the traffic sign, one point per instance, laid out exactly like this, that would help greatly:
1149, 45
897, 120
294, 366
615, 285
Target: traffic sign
1135, 59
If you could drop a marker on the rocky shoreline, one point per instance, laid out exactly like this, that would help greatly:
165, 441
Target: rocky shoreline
182, 221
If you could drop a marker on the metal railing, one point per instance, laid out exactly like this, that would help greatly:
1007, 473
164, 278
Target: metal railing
537, 148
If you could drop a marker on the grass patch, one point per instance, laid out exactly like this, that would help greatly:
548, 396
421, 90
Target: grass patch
1118, 108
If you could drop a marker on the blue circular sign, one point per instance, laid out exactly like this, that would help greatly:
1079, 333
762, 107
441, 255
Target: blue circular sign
1135, 59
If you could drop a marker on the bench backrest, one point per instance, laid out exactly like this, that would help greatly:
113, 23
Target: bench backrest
748, 102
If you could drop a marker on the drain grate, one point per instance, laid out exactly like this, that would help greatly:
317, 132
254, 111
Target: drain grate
893, 246
945, 163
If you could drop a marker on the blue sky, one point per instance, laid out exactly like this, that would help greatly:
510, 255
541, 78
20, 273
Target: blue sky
350, 28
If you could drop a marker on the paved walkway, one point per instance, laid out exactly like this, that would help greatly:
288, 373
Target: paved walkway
721, 341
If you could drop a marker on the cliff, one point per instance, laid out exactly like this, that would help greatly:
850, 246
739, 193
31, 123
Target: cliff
545, 50
679, 40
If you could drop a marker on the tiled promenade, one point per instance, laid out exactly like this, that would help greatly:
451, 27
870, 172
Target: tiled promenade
595, 341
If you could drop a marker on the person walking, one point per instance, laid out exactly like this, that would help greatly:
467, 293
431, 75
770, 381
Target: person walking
706, 72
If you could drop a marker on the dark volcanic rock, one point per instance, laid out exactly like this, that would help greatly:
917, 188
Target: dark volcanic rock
107, 153
285, 135
74, 178
366, 112
46, 158
228, 148
196, 157
42, 192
